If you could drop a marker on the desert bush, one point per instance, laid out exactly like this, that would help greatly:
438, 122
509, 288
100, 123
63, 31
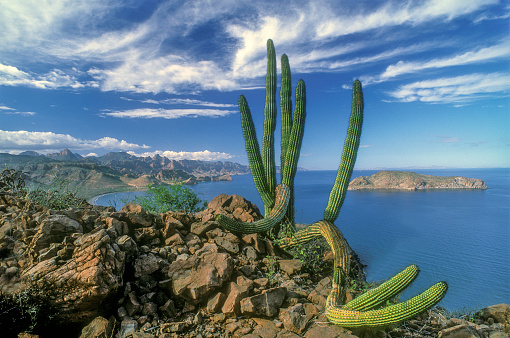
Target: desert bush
25, 311
13, 181
175, 197
57, 195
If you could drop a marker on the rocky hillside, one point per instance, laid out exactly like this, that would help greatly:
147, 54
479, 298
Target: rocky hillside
116, 172
403, 180
132, 274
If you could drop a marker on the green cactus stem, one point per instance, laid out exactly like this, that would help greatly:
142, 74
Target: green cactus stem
387, 290
253, 151
265, 224
268, 151
390, 315
337, 196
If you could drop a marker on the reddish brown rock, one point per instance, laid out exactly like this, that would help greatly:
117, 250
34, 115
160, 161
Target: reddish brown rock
79, 286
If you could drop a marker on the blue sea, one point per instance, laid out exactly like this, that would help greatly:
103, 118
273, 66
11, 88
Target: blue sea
458, 236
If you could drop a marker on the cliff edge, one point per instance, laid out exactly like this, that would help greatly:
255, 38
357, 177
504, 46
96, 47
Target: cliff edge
404, 180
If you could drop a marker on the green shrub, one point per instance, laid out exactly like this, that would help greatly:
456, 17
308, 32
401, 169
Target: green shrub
25, 311
175, 197
57, 196
311, 254
13, 181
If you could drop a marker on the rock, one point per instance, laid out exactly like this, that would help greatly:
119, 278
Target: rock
53, 230
146, 264
266, 304
200, 228
100, 327
136, 215
320, 293
290, 266
200, 275
328, 331
215, 303
128, 246
226, 240
294, 318
168, 309
235, 293
256, 242
459, 331
127, 327
500, 313
79, 287
132, 305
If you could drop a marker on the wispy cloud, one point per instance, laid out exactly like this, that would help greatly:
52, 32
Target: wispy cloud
186, 102
12, 76
12, 111
499, 51
148, 113
204, 155
463, 88
48, 141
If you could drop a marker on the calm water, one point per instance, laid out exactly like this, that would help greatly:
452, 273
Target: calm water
459, 236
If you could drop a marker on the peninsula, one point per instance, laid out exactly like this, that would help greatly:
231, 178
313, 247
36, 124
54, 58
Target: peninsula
405, 180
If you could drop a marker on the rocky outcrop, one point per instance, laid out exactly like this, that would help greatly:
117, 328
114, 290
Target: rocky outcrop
133, 274
402, 180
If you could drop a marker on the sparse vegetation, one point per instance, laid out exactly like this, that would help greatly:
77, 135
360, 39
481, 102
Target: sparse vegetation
13, 181
57, 195
175, 197
25, 311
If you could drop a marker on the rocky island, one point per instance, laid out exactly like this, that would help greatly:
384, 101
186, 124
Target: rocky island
405, 180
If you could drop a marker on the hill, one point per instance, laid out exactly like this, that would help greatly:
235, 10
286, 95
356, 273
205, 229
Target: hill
405, 180
116, 171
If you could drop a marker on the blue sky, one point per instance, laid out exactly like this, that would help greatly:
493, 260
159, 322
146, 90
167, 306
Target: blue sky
164, 77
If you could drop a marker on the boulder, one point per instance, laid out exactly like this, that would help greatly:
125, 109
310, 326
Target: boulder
290, 266
80, 285
136, 215
235, 293
100, 327
201, 274
500, 313
294, 318
266, 304
53, 230
459, 331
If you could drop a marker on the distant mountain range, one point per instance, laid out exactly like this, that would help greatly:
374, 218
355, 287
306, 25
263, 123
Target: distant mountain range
116, 171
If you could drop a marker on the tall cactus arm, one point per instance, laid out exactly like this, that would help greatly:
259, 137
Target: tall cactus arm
253, 151
296, 136
389, 315
387, 290
268, 151
265, 224
286, 109
337, 196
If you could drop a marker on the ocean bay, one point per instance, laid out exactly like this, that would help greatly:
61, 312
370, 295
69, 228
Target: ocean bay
459, 236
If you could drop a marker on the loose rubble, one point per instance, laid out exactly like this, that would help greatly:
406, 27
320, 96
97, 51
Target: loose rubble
132, 274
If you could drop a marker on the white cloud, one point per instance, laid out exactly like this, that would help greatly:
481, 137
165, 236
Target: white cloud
191, 102
486, 54
48, 141
12, 76
6, 108
463, 88
148, 113
205, 155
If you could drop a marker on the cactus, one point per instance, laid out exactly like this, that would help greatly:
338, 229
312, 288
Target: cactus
262, 165
279, 203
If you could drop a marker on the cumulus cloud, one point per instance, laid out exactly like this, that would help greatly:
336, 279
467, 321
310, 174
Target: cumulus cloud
49, 141
205, 155
463, 88
148, 113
